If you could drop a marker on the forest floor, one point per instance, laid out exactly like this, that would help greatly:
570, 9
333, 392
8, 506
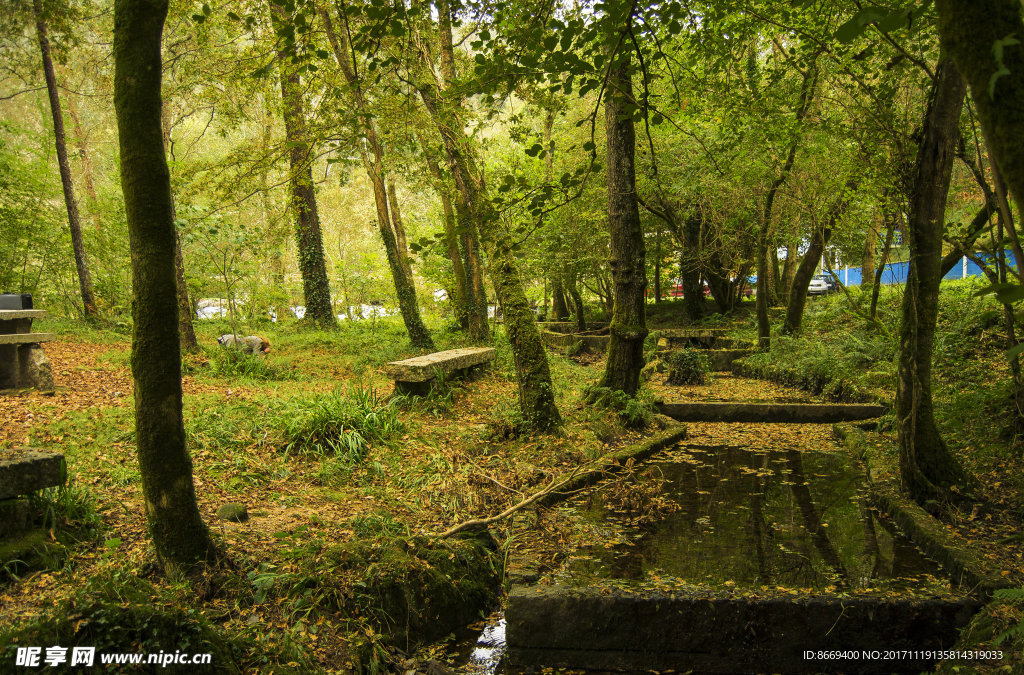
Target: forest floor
444, 459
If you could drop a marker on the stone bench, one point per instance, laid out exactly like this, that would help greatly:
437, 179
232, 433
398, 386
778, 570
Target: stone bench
22, 360
417, 375
22, 472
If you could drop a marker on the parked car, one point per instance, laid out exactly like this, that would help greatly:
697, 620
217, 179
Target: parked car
818, 286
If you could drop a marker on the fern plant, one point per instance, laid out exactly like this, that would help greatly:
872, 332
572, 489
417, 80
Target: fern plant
1013, 595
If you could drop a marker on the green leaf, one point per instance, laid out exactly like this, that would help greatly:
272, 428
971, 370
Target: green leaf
1011, 353
206, 9
550, 42
233, 16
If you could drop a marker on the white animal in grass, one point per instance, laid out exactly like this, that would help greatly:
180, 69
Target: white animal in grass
251, 344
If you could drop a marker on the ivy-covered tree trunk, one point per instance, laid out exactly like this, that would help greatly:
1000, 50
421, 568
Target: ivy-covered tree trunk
973, 32
802, 281
626, 255
405, 287
316, 286
928, 470
74, 221
179, 535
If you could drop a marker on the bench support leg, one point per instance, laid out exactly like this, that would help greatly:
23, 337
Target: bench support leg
34, 368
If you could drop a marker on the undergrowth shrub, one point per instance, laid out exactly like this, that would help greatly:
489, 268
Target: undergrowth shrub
687, 366
633, 411
237, 363
342, 423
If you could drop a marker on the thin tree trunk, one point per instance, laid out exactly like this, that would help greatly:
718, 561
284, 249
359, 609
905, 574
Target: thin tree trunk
928, 470
877, 286
180, 537
186, 332
396, 221
802, 280
789, 268
536, 393
867, 263
419, 336
764, 329
83, 153
657, 268
577, 301
560, 308
77, 242
462, 288
316, 287
626, 256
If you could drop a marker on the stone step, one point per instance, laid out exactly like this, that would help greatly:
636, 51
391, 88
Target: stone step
566, 327
26, 338
784, 413
23, 471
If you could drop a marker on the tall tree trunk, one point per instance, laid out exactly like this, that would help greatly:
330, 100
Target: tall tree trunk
927, 468
405, 289
83, 153
316, 287
577, 301
969, 32
764, 329
802, 280
536, 394
179, 535
186, 332
77, 243
396, 221
626, 256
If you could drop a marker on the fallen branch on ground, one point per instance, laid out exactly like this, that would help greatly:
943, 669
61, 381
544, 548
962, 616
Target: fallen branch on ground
483, 522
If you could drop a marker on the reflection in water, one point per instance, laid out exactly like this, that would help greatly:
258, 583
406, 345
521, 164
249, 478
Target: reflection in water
482, 654
781, 518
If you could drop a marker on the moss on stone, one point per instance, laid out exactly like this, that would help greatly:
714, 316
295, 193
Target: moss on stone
415, 590
130, 628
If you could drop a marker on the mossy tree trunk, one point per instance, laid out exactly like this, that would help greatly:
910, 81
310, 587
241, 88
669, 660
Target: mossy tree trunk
867, 264
74, 221
373, 162
970, 31
686, 230
179, 535
536, 394
626, 255
928, 470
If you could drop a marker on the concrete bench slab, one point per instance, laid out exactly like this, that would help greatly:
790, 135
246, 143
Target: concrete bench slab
592, 343
8, 314
23, 471
26, 338
785, 413
566, 327
422, 369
